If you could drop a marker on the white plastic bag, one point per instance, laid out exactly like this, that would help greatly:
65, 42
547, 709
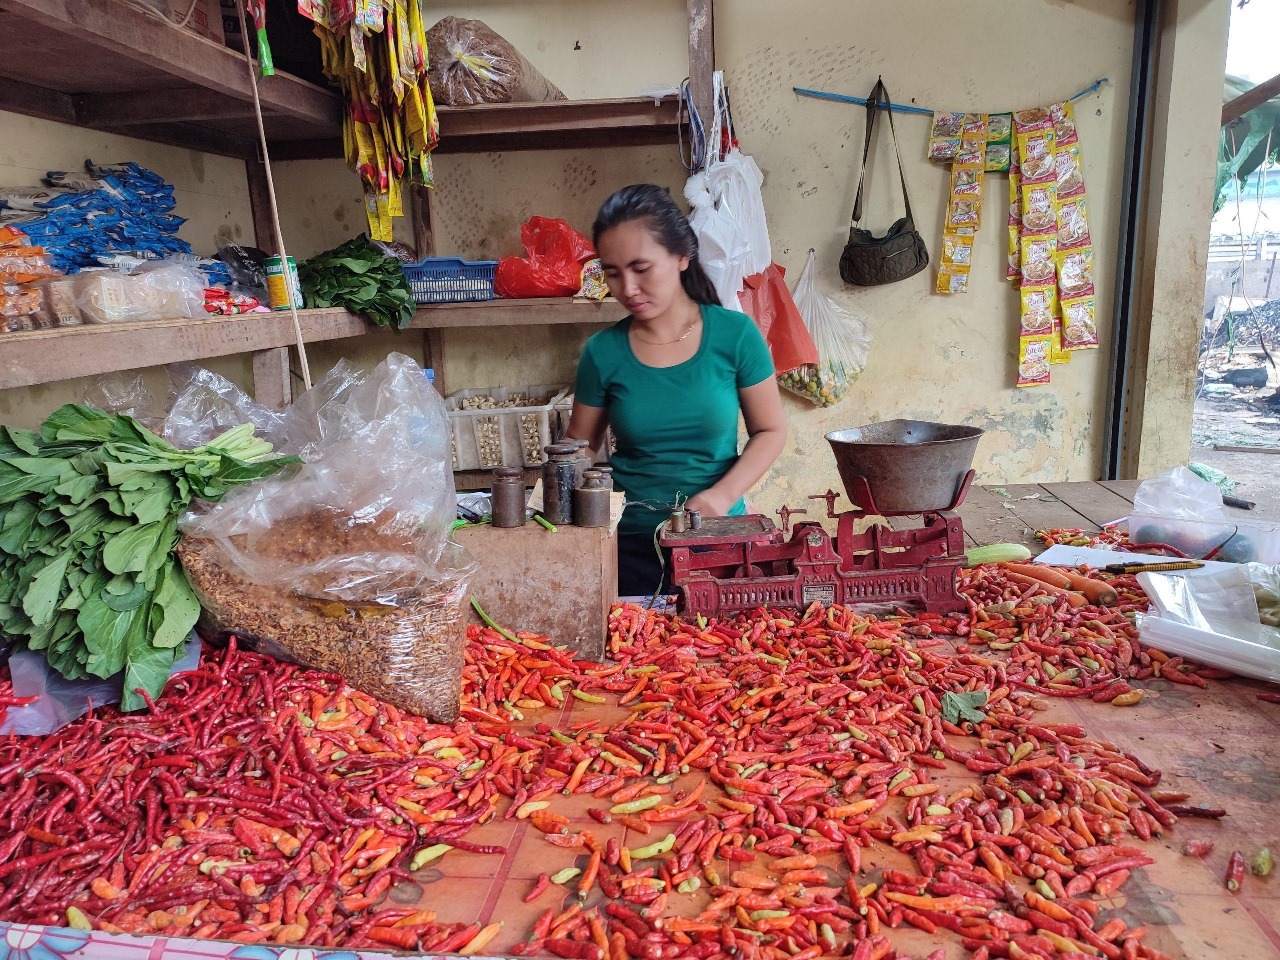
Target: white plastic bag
728, 210
842, 339
1211, 619
1178, 494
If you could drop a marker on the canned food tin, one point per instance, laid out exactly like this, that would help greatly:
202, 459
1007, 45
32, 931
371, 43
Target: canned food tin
280, 285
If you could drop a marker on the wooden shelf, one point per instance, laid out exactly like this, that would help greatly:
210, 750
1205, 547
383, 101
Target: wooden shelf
560, 124
107, 65
46, 356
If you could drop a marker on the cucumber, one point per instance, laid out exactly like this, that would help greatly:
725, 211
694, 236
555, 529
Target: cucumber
997, 553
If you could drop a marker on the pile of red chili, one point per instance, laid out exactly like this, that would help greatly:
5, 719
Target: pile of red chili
767, 756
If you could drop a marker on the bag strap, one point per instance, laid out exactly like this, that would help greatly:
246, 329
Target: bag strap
873, 99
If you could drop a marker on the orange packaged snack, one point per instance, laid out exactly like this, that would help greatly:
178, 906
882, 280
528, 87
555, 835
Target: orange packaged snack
1068, 173
1039, 209
1038, 269
1073, 224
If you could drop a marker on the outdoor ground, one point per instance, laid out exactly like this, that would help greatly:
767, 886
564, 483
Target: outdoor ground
1240, 419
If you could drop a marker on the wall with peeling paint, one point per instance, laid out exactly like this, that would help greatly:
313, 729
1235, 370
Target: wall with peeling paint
211, 196
933, 357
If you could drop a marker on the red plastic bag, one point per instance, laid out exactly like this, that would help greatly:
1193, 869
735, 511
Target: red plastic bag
553, 267
768, 301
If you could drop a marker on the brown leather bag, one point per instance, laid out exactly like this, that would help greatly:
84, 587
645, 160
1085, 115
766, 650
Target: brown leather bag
868, 260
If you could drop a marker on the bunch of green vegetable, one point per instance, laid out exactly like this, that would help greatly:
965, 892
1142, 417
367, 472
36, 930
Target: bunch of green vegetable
89, 509
361, 278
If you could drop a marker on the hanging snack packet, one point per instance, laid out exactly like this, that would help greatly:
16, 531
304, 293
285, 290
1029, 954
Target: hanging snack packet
1039, 208
1038, 309
1013, 267
1075, 273
999, 142
1038, 269
1073, 224
1068, 173
1079, 324
1062, 115
953, 279
1033, 360
944, 137
1058, 352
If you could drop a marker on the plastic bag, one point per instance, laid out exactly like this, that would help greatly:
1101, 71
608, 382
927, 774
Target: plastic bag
126, 393
1179, 495
1265, 579
553, 267
1212, 619
767, 300
470, 64
347, 565
728, 215
58, 700
842, 340
203, 405
157, 292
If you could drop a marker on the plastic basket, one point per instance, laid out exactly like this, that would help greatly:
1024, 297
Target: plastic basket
504, 436
450, 280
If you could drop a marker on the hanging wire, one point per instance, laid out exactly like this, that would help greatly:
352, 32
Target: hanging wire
910, 107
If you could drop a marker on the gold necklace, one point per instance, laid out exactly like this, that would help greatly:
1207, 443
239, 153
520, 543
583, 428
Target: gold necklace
667, 343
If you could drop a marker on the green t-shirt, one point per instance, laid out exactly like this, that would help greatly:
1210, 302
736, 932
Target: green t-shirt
676, 427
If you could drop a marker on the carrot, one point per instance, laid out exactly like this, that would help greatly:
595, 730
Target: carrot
1098, 592
1073, 598
1049, 575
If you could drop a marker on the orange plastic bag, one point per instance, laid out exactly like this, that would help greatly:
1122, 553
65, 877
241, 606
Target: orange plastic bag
553, 267
767, 300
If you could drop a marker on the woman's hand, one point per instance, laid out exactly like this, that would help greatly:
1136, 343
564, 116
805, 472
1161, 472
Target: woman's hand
711, 503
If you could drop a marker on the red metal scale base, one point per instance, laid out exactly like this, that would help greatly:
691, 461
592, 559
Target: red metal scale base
736, 564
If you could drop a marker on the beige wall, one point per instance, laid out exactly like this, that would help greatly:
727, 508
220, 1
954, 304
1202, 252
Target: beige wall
945, 358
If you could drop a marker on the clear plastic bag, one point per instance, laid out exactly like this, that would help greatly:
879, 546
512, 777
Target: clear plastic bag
1212, 619
1179, 494
347, 564
842, 339
203, 405
472, 64
157, 292
126, 393
1265, 579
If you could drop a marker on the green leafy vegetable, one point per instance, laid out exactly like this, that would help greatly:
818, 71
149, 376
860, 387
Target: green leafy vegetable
964, 706
89, 511
361, 278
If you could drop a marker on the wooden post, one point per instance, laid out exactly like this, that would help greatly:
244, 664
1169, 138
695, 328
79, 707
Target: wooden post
424, 243
702, 56
271, 379
1271, 272
264, 231
272, 386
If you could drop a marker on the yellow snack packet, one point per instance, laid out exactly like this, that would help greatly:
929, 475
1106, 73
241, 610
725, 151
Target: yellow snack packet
1033, 360
953, 279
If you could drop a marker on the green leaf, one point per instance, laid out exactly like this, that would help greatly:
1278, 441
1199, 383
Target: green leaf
75, 421
18, 527
152, 504
106, 633
179, 607
964, 706
45, 591
128, 551
148, 668
15, 442
124, 602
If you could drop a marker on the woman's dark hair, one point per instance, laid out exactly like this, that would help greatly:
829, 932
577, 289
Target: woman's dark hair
669, 227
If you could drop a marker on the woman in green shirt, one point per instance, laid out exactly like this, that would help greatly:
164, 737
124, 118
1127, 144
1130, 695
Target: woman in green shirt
671, 380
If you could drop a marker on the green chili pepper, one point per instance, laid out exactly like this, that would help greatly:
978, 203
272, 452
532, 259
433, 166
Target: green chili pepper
565, 875
655, 849
1262, 863
427, 854
635, 806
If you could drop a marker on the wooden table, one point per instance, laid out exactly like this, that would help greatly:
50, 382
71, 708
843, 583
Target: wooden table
1013, 512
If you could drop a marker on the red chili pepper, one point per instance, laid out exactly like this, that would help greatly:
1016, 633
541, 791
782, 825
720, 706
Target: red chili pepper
1235, 871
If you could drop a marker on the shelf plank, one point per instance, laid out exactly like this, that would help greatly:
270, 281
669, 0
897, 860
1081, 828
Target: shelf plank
108, 31
46, 356
554, 125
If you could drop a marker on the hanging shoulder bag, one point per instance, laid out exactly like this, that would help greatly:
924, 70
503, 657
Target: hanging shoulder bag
868, 260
